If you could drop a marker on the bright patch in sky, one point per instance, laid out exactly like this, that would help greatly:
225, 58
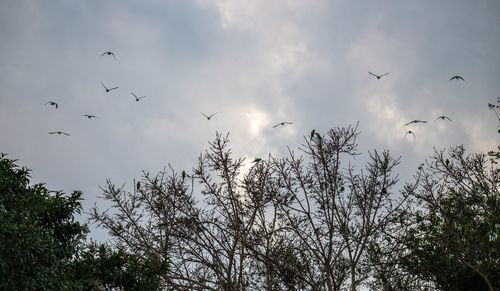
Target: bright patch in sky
257, 120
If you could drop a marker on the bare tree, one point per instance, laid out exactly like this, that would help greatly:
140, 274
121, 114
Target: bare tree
210, 245
334, 212
152, 221
295, 223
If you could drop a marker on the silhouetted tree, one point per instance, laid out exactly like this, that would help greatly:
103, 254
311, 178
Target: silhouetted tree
335, 212
287, 224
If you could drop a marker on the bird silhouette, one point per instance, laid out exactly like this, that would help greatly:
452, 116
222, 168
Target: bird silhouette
52, 103
257, 160
456, 78
410, 132
109, 54
108, 89
442, 117
58, 132
415, 121
282, 123
89, 116
137, 98
312, 133
208, 117
378, 76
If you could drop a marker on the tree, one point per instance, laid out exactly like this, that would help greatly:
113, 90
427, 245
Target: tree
285, 224
336, 213
101, 267
206, 245
454, 240
38, 233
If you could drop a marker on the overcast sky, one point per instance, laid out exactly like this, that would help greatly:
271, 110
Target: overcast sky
255, 63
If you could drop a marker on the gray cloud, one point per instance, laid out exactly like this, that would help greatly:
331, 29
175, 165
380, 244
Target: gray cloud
255, 63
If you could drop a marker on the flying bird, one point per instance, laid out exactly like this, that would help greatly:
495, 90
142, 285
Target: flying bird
52, 103
208, 117
108, 89
456, 78
282, 123
58, 132
378, 76
410, 132
415, 121
109, 54
89, 116
137, 98
443, 118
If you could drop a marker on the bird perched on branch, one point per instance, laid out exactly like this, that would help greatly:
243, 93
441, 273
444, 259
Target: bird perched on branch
378, 76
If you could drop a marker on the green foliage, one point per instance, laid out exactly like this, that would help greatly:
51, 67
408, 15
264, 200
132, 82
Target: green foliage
101, 267
455, 238
38, 234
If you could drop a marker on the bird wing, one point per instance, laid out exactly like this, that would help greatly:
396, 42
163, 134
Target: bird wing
52, 132
113, 88
408, 123
103, 54
213, 114
65, 133
103, 85
204, 115
372, 74
443, 117
385, 74
133, 94
276, 125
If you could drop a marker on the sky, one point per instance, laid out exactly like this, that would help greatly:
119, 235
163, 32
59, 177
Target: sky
253, 63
